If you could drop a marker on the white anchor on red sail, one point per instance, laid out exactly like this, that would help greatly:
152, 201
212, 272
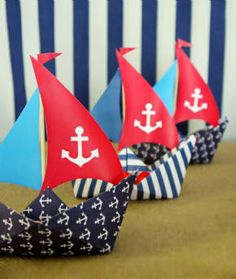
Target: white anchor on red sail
80, 160
148, 128
195, 107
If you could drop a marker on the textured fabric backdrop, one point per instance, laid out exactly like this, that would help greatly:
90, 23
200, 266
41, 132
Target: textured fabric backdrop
87, 32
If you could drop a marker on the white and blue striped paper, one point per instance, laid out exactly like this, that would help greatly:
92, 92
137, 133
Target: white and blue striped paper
87, 32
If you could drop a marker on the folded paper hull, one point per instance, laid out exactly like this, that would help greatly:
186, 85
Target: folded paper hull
207, 141
149, 152
47, 227
163, 182
206, 144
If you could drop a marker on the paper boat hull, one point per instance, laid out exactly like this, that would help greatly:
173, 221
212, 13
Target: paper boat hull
164, 181
203, 152
47, 227
207, 141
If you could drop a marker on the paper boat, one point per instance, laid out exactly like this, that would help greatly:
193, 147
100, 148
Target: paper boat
164, 179
48, 227
194, 100
207, 140
170, 89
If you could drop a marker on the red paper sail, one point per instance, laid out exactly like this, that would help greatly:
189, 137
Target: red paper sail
146, 117
77, 147
124, 50
195, 99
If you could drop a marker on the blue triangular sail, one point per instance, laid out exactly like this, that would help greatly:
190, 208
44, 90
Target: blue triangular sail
20, 161
107, 109
165, 88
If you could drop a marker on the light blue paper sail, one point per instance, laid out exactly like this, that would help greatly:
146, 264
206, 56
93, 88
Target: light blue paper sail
165, 88
107, 109
20, 161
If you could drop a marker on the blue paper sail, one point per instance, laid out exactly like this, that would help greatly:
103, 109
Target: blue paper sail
107, 109
20, 161
165, 88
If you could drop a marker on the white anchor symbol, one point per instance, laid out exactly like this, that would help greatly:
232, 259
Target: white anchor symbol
89, 247
80, 160
103, 234
49, 252
8, 223
62, 208
148, 128
6, 237
46, 232
83, 219
47, 242
196, 96
107, 249
101, 220
68, 245
114, 203
25, 235
42, 201
67, 235
126, 188
8, 249
116, 219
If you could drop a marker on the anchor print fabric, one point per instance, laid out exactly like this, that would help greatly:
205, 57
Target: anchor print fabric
194, 98
47, 227
77, 146
207, 141
146, 117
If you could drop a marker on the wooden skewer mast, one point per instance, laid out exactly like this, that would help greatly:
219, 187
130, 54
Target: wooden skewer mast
42, 139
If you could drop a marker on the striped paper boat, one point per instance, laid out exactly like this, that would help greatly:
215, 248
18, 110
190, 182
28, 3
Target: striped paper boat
164, 180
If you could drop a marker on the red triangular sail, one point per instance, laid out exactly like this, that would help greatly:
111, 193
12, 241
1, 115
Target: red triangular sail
124, 50
144, 108
77, 147
45, 57
195, 99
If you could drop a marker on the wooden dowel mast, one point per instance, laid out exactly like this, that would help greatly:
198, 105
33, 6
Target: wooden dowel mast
42, 139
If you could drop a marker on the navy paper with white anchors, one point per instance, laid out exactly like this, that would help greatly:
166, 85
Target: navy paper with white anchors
207, 141
48, 227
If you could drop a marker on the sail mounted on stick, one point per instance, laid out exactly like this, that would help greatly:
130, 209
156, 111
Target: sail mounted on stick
77, 147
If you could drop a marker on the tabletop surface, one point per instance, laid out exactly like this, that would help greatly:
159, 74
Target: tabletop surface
193, 236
